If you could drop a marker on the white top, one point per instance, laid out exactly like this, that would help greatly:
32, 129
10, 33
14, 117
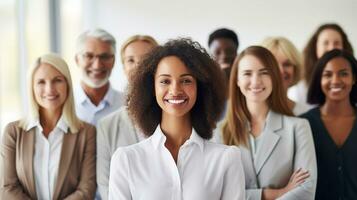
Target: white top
47, 157
91, 113
300, 108
204, 171
298, 92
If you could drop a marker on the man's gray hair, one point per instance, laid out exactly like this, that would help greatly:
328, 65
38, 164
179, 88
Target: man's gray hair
98, 34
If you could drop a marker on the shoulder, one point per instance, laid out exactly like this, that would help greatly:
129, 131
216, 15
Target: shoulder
87, 129
297, 124
12, 130
134, 152
222, 150
118, 94
312, 113
13, 125
114, 117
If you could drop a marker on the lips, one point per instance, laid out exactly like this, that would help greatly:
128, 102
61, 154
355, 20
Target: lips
176, 101
336, 89
257, 90
96, 73
51, 97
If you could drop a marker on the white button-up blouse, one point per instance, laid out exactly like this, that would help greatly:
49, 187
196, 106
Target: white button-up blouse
204, 171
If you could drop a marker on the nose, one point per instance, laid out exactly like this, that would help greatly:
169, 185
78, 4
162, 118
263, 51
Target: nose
256, 79
175, 88
49, 88
96, 62
331, 46
335, 79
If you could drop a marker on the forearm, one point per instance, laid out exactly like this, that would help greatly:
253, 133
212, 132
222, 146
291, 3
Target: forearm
271, 194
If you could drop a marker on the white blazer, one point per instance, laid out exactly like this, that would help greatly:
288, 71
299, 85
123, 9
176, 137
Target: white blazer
286, 145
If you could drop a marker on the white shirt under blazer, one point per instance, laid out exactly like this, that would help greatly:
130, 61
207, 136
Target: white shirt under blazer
285, 146
204, 171
47, 156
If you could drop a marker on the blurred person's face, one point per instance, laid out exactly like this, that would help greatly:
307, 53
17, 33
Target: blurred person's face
224, 51
254, 80
286, 67
328, 40
95, 62
337, 80
175, 87
133, 54
50, 88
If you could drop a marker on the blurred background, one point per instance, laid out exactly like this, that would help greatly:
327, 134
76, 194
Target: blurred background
30, 28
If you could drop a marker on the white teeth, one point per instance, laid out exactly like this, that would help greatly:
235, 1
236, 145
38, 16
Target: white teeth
335, 89
175, 101
51, 97
257, 90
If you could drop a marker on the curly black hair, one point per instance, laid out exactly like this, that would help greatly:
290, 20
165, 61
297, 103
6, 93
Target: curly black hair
211, 91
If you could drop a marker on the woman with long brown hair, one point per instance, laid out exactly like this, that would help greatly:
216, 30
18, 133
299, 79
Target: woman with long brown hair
278, 153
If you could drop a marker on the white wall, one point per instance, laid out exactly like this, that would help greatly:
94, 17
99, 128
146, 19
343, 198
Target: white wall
253, 20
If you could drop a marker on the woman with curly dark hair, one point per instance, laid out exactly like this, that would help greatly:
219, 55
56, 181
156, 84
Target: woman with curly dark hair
176, 97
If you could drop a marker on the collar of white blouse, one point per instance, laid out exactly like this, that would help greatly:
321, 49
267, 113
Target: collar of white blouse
159, 138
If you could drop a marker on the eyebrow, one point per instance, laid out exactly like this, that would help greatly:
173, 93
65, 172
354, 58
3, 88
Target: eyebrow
168, 75
341, 70
249, 70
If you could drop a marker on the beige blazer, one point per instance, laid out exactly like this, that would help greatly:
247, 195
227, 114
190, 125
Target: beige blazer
285, 146
76, 177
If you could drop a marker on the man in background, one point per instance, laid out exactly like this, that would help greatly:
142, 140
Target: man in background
95, 57
223, 45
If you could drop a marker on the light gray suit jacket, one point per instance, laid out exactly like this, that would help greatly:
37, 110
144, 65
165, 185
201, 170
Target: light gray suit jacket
113, 131
286, 146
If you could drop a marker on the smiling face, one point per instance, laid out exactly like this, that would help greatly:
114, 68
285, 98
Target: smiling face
133, 54
337, 80
254, 80
286, 67
95, 62
175, 87
327, 40
50, 88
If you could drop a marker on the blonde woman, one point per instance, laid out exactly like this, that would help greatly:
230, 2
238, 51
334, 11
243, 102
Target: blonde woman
290, 66
50, 154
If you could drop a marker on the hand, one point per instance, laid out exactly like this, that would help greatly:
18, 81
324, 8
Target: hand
297, 178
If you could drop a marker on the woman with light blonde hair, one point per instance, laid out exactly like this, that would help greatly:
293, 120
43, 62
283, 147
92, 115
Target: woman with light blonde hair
134, 49
50, 153
290, 66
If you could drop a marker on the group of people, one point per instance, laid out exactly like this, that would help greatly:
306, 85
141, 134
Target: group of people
266, 123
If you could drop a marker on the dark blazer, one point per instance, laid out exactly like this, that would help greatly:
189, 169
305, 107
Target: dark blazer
76, 177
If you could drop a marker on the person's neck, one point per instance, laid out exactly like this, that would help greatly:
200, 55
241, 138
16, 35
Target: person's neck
176, 129
96, 95
49, 119
338, 108
258, 111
